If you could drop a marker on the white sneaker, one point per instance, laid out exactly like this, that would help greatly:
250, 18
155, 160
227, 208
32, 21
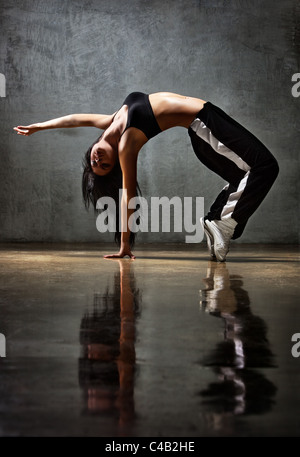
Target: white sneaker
209, 239
221, 232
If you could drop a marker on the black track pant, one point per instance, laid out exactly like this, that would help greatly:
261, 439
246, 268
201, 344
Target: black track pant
235, 154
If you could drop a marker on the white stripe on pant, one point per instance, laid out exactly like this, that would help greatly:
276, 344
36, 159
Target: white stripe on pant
236, 155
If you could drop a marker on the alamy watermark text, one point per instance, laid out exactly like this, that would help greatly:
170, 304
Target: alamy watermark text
2, 85
2, 345
296, 87
159, 209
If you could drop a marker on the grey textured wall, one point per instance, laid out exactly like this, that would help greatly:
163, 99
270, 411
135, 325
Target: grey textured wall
61, 57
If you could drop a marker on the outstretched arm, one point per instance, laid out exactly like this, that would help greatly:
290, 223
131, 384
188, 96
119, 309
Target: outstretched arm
101, 121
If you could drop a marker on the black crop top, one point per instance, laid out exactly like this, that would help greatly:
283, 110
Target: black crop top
140, 114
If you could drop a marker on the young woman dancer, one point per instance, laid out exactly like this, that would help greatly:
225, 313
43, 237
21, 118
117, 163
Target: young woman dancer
219, 142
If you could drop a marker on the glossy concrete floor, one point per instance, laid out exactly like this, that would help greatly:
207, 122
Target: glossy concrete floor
167, 345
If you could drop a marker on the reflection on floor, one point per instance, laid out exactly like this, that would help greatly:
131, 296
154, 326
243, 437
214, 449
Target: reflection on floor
107, 336
98, 347
245, 346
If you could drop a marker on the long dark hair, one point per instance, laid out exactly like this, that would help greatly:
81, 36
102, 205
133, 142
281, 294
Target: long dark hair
95, 187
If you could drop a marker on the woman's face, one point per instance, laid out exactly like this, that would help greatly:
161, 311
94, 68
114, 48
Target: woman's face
103, 157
